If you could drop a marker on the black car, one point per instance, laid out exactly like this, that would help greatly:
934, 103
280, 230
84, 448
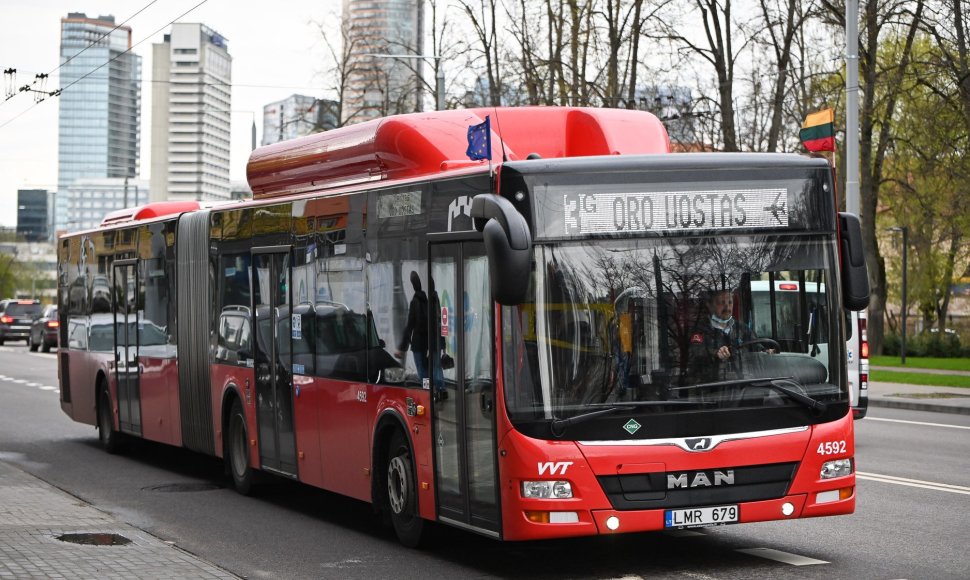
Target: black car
16, 317
43, 331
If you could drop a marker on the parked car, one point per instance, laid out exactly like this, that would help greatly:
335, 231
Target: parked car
43, 331
16, 317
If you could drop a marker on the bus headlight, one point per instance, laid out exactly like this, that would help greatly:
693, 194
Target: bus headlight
837, 468
547, 490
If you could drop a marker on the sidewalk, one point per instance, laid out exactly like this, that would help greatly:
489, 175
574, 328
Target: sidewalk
40, 526
919, 397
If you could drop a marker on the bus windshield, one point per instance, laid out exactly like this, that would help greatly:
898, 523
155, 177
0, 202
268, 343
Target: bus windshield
675, 325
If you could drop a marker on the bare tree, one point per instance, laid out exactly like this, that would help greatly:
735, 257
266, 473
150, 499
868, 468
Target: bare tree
723, 41
482, 15
902, 19
783, 21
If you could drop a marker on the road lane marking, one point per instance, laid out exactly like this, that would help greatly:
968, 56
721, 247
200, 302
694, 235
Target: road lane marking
783, 557
914, 482
919, 423
48, 388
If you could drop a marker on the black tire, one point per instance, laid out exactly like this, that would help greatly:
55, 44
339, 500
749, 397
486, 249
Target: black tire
237, 450
111, 439
402, 492
46, 347
1, 342
31, 344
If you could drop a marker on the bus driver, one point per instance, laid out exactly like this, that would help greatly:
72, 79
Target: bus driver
716, 340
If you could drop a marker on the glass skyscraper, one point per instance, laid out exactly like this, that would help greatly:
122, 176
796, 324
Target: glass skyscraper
100, 106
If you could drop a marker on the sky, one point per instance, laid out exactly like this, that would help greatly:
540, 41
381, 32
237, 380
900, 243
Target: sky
276, 49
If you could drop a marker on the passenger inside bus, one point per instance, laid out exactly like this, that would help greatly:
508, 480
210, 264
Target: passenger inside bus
717, 341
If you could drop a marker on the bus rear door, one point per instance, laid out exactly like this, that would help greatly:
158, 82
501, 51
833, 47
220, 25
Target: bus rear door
127, 366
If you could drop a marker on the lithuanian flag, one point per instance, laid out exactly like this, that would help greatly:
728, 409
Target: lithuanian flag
818, 131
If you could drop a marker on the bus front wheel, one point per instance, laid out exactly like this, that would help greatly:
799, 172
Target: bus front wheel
402, 498
238, 450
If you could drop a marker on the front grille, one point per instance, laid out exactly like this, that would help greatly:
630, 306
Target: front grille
646, 491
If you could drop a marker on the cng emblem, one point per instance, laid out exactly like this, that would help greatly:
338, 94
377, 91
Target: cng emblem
631, 426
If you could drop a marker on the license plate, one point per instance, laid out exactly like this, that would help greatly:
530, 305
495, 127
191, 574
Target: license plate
699, 517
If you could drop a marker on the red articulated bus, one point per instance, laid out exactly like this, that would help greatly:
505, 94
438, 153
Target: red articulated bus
556, 344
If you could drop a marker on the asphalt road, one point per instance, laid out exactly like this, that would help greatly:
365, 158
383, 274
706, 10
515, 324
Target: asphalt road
911, 519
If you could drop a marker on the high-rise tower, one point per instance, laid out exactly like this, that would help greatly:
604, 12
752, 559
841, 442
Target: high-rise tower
100, 108
192, 76
381, 85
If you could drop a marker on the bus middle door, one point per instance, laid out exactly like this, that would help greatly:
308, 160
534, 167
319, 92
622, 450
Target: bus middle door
461, 339
274, 379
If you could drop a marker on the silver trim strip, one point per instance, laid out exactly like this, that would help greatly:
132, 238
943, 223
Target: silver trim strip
470, 527
714, 440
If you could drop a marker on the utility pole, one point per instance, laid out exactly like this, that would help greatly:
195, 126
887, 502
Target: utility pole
852, 203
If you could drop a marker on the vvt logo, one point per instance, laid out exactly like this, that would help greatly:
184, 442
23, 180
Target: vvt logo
554, 468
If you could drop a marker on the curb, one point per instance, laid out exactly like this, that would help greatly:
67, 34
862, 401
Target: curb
915, 406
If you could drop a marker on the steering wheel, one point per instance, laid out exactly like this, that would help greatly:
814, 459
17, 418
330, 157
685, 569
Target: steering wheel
766, 341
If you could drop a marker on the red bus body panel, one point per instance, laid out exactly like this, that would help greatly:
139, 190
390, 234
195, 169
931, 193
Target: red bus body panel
160, 416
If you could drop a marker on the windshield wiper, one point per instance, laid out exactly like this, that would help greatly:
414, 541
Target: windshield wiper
777, 384
558, 425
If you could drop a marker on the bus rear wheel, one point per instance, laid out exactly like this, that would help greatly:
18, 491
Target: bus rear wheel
237, 450
402, 497
110, 438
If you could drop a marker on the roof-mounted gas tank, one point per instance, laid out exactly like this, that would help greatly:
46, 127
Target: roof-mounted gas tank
410, 146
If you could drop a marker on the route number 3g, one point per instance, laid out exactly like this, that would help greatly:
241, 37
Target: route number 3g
831, 447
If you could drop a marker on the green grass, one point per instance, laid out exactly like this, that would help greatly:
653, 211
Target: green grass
917, 362
917, 378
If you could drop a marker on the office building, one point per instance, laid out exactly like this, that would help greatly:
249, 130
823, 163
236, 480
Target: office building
383, 86
296, 116
91, 199
33, 214
100, 106
191, 88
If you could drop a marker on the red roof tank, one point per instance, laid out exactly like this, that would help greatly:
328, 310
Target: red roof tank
408, 146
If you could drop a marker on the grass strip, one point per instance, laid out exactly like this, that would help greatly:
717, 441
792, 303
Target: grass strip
920, 379
922, 362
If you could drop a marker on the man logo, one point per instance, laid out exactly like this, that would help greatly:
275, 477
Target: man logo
701, 444
700, 479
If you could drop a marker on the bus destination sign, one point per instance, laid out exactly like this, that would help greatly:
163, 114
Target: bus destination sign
619, 213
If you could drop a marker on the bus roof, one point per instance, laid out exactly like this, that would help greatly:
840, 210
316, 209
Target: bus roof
408, 146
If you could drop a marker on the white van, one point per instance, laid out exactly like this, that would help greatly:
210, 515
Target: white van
786, 311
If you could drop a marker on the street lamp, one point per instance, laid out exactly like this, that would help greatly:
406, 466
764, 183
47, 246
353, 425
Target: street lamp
902, 341
439, 73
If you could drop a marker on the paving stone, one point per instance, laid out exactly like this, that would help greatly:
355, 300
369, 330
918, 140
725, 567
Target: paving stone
34, 514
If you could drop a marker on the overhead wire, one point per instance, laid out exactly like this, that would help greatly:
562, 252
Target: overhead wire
79, 53
109, 61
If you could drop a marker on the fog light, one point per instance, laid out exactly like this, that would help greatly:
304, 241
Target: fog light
827, 496
787, 509
837, 468
547, 490
613, 523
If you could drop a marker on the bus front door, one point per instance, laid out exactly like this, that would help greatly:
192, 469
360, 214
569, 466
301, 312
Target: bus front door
127, 366
461, 339
274, 381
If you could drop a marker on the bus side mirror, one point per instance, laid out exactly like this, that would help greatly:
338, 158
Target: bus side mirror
508, 244
855, 274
